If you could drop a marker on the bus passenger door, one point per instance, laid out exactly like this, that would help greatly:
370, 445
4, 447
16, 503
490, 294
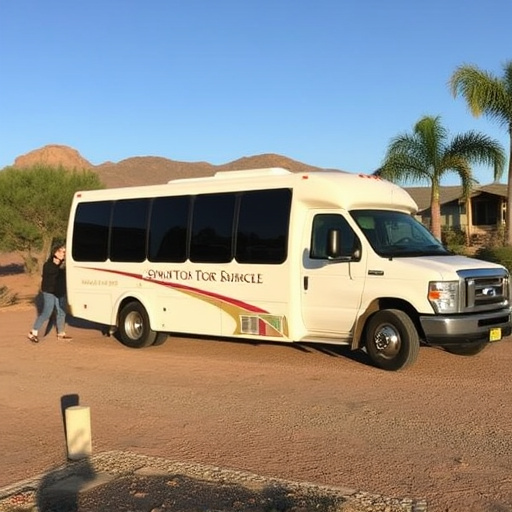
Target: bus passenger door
331, 288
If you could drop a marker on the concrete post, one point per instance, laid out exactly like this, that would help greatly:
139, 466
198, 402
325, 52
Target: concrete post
78, 432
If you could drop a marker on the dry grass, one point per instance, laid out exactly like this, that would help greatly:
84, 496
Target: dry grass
7, 297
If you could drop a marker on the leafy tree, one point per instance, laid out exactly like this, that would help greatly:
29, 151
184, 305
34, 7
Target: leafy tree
491, 96
34, 208
426, 155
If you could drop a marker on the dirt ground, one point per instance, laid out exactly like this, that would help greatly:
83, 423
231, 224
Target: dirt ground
441, 430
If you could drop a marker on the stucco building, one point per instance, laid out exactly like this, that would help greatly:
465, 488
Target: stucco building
481, 218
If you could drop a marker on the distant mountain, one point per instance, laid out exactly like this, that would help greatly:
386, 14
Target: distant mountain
54, 154
148, 170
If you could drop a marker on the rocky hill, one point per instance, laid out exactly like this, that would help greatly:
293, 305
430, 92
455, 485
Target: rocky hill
54, 155
147, 170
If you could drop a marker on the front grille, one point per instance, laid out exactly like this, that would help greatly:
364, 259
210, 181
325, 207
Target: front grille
484, 289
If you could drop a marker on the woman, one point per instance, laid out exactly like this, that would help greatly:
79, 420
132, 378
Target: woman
53, 287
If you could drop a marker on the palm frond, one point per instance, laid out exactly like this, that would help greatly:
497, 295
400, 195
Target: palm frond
478, 148
484, 93
432, 136
453, 163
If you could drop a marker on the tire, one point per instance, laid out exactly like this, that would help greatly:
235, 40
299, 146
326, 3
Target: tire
160, 339
466, 349
133, 329
391, 340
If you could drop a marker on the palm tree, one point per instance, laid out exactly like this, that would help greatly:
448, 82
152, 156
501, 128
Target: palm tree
491, 96
427, 155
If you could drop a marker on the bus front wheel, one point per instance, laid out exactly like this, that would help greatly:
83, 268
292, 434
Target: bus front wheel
134, 330
392, 341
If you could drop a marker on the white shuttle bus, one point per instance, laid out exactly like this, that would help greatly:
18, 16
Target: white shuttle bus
266, 254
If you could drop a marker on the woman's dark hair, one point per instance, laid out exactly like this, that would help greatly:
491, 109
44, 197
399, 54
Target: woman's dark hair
55, 249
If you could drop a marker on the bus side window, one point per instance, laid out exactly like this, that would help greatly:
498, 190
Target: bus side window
212, 228
129, 230
263, 222
91, 231
168, 229
323, 224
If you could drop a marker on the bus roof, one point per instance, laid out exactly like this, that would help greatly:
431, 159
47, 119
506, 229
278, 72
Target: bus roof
321, 189
247, 173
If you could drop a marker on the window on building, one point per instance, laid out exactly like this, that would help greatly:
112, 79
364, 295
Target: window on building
485, 212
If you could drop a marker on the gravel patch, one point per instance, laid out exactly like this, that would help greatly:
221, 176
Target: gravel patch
125, 481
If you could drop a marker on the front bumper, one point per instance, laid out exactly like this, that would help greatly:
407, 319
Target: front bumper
456, 329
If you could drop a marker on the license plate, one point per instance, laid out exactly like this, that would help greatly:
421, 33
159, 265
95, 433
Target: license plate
495, 334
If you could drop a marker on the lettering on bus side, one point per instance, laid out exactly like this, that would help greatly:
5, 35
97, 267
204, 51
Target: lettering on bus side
238, 277
99, 282
203, 276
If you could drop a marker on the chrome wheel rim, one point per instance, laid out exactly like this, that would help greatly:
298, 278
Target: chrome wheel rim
387, 341
133, 325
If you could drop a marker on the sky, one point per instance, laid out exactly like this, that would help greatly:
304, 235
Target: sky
326, 82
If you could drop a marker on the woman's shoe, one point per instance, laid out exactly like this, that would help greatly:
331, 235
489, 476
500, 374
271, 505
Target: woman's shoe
64, 337
33, 338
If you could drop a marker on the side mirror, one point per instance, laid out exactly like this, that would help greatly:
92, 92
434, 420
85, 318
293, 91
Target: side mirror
334, 248
334, 244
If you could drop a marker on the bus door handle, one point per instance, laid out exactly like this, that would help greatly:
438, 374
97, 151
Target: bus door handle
306, 282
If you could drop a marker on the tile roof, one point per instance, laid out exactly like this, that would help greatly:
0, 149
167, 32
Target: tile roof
497, 189
448, 194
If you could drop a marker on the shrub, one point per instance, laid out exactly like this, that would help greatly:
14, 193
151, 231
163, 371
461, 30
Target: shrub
453, 236
501, 255
461, 250
34, 208
498, 238
454, 239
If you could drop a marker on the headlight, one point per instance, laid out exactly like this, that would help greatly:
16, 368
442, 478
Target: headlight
444, 296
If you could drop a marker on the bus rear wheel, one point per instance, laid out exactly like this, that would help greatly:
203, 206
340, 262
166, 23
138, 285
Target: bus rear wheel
392, 340
160, 338
134, 330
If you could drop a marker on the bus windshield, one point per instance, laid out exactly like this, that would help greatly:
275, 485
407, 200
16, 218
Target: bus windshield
397, 234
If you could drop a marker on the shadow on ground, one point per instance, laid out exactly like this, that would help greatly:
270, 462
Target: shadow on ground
12, 269
179, 493
87, 491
